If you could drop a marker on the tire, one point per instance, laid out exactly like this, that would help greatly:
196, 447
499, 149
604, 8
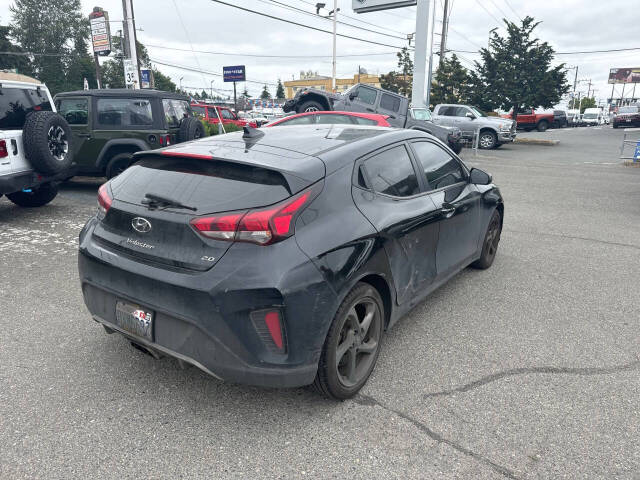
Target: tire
310, 106
542, 126
190, 129
490, 243
118, 164
487, 140
336, 377
37, 197
457, 148
47, 142
615, 125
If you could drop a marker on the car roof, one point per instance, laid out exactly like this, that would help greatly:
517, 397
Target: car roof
124, 92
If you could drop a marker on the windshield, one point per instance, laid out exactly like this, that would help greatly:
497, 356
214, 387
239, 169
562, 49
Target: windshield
590, 115
348, 90
421, 114
17, 103
629, 110
478, 112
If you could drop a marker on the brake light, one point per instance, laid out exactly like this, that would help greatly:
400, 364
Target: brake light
262, 226
3, 149
104, 201
164, 140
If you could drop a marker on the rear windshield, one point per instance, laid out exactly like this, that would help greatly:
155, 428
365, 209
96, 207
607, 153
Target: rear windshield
17, 103
175, 111
629, 110
208, 185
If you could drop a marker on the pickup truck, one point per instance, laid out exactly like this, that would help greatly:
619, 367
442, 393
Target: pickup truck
529, 121
367, 99
493, 131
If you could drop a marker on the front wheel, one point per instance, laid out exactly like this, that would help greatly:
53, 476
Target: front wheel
487, 140
310, 106
34, 197
352, 345
542, 126
490, 245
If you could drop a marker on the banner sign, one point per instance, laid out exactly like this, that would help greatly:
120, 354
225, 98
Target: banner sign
364, 6
145, 78
624, 75
100, 32
234, 73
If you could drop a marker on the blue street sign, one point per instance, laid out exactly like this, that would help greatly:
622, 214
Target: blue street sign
636, 155
234, 73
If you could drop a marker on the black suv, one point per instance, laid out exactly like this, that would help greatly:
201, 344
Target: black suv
560, 119
109, 126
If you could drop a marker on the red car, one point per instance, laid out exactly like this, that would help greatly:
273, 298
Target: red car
317, 118
226, 114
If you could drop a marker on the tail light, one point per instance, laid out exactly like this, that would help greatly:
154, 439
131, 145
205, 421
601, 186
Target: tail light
104, 201
3, 149
270, 329
164, 140
262, 226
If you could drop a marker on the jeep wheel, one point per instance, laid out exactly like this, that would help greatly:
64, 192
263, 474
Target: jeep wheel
190, 129
118, 164
310, 106
34, 197
47, 142
487, 140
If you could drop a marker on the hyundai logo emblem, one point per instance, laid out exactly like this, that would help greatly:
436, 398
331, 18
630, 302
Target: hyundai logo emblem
141, 225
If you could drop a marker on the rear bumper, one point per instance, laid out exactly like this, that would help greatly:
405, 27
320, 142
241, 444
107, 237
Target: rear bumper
203, 318
16, 182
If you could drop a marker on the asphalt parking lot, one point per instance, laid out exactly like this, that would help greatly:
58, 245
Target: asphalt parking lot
530, 369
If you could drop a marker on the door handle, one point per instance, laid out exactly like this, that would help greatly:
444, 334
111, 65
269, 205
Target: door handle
448, 210
85, 135
392, 117
369, 109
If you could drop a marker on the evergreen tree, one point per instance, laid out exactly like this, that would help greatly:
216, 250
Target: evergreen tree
400, 82
280, 90
451, 82
515, 72
20, 62
245, 93
204, 95
265, 95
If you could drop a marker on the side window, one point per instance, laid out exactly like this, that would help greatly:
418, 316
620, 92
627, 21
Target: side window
226, 114
447, 111
304, 120
198, 110
461, 111
390, 102
440, 168
74, 110
364, 121
367, 95
175, 111
331, 118
124, 112
391, 172
212, 113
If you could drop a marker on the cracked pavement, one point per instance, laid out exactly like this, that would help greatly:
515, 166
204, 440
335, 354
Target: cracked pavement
528, 370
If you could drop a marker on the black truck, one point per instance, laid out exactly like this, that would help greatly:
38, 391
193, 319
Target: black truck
367, 99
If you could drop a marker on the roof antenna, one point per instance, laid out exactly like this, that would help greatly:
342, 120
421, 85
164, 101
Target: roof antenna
250, 132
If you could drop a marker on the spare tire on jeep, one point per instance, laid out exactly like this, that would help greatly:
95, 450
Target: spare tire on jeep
190, 129
47, 142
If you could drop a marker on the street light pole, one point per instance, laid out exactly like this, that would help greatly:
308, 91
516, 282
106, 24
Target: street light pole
211, 85
181, 83
420, 54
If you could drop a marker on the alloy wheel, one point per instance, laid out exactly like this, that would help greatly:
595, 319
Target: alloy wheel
359, 342
493, 237
486, 141
311, 109
58, 143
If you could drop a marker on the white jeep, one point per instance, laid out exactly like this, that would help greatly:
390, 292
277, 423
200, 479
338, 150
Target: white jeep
35, 142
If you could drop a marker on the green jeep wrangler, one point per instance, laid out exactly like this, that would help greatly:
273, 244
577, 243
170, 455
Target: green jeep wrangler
110, 125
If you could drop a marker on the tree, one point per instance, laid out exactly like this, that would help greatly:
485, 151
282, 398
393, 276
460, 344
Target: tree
245, 93
57, 31
587, 102
400, 82
451, 82
280, 90
204, 95
515, 72
265, 95
19, 62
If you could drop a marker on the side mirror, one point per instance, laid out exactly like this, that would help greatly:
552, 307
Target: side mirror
480, 177
353, 95
470, 115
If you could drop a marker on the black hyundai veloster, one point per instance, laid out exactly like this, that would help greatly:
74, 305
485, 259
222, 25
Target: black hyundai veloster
280, 257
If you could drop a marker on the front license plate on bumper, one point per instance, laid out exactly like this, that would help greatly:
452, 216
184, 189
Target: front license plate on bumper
135, 319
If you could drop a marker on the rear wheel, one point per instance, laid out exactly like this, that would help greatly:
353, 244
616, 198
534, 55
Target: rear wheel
310, 106
118, 164
490, 245
352, 345
34, 197
542, 126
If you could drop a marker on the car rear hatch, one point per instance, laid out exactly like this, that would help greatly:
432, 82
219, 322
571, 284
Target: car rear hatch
153, 212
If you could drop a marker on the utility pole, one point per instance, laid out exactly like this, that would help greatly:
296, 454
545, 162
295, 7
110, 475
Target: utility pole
130, 28
335, 18
589, 90
575, 84
420, 54
445, 28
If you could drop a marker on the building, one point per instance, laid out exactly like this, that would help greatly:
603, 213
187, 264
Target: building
313, 80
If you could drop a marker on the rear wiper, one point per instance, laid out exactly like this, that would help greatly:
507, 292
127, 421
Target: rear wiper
154, 201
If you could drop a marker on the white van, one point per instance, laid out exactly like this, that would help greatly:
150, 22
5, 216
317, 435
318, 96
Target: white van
592, 116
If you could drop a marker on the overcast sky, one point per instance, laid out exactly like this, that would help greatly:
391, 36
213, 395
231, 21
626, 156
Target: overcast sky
568, 25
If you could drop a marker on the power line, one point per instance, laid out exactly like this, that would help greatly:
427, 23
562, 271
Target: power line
295, 9
188, 38
256, 55
516, 13
303, 25
488, 12
206, 72
600, 51
506, 17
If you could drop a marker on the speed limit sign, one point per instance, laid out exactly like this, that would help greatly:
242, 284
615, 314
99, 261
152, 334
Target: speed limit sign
130, 74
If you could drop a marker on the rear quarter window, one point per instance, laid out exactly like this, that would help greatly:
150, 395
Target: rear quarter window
124, 112
390, 102
175, 110
17, 103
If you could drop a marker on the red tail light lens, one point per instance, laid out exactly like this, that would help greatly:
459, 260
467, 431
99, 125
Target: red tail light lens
164, 140
3, 149
262, 226
104, 201
268, 325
